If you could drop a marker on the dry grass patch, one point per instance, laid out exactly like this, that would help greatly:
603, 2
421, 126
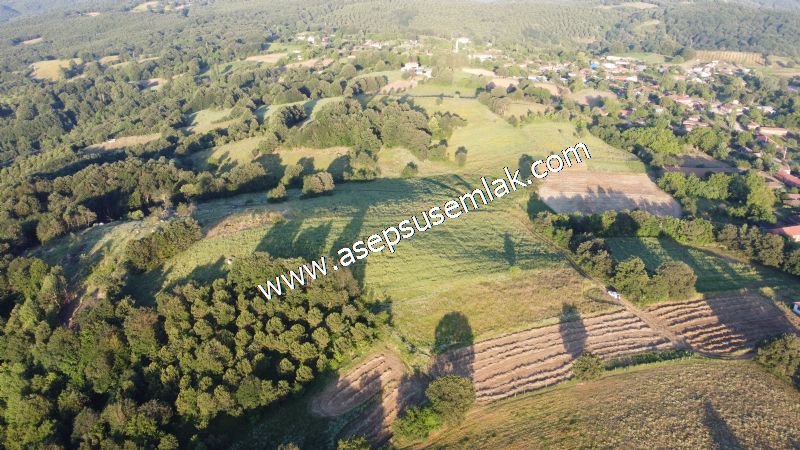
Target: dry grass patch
122, 142
576, 189
144, 7
106, 60
744, 58
479, 72
270, 58
33, 41
591, 97
51, 69
686, 404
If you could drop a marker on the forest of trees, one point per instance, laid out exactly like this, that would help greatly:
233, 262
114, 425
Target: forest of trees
156, 377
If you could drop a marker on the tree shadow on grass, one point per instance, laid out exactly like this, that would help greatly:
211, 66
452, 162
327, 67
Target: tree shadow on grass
453, 346
721, 433
572, 330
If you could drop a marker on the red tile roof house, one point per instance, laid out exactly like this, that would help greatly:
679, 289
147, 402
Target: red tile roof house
786, 176
792, 232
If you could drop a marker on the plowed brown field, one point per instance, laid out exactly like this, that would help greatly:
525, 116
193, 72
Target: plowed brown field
540, 357
724, 326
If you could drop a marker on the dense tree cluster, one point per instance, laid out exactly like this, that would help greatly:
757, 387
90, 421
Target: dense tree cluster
147, 377
743, 195
150, 251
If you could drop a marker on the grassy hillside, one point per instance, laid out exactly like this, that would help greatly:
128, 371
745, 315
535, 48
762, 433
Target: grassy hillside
685, 404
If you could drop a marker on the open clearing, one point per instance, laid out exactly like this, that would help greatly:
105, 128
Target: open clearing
715, 274
591, 97
685, 404
523, 108
33, 41
744, 58
579, 190
479, 72
144, 7
724, 326
700, 164
632, 5
209, 119
51, 69
122, 142
490, 253
270, 58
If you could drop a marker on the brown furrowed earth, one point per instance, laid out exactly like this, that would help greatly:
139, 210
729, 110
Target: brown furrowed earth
379, 382
724, 326
540, 357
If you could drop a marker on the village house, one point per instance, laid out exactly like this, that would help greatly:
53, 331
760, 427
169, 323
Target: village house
785, 175
791, 232
791, 199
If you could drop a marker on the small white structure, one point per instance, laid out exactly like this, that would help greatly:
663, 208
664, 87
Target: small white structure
614, 294
410, 67
796, 307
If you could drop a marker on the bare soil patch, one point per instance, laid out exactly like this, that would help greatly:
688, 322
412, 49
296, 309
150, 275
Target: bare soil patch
241, 222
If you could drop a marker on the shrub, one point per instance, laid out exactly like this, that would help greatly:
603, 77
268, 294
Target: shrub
317, 183
416, 423
451, 396
588, 367
355, 443
781, 356
461, 156
409, 170
277, 194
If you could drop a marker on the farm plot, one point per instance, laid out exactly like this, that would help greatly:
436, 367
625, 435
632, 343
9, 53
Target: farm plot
744, 58
540, 357
723, 326
379, 381
580, 190
270, 58
686, 404
591, 97
715, 274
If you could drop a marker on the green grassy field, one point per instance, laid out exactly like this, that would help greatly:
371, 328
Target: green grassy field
714, 273
208, 119
683, 404
485, 261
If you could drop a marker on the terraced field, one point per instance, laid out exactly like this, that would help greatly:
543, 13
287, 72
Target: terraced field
379, 380
540, 357
724, 326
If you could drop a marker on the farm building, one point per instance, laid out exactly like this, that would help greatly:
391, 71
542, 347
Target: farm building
792, 232
796, 307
